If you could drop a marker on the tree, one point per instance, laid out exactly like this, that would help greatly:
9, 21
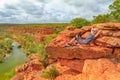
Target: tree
102, 18
115, 10
79, 22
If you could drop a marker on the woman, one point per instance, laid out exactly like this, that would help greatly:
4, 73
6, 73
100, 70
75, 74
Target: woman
94, 33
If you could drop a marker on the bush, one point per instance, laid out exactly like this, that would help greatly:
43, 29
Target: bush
9, 45
34, 48
79, 22
102, 19
51, 74
45, 61
1, 58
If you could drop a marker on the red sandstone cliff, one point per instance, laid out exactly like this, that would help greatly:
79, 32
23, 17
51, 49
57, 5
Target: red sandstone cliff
98, 61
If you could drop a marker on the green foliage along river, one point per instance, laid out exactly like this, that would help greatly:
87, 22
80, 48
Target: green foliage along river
7, 68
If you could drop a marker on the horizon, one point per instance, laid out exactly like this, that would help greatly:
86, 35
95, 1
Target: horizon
43, 12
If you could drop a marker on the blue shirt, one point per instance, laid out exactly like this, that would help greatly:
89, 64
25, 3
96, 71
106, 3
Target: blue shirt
89, 38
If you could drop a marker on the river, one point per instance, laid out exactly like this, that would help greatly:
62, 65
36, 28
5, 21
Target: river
11, 62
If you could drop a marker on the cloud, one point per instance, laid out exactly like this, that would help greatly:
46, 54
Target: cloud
47, 11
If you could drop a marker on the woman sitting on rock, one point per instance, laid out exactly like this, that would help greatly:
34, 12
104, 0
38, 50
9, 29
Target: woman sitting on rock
94, 33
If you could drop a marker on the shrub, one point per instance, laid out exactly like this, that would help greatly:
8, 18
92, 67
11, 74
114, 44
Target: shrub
102, 18
79, 22
45, 61
1, 58
51, 74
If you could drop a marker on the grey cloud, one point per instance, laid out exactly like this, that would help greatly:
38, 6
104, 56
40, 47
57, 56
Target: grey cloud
8, 6
45, 11
31, 8
7, 13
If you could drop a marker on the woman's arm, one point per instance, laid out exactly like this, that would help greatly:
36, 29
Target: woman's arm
99, 32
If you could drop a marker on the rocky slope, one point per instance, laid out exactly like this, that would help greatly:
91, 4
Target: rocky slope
97, 61
30, 70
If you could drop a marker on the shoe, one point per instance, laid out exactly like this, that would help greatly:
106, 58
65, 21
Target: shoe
75, 44
66, 45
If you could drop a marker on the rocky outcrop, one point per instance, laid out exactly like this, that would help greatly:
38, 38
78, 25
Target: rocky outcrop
105, 45
72, 64
29, 70
78, 52
97, 61
99, 69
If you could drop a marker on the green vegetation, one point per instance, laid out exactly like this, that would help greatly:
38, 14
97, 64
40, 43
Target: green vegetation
79, 22
43, 55
51, 73
47, 25
30, 46
113, 16
9, 74
102, 18
5, 48
115, 10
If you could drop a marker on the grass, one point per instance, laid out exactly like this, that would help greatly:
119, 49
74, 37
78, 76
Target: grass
50, 74
10, 74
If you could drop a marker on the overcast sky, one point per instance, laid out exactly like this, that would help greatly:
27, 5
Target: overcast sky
50, 11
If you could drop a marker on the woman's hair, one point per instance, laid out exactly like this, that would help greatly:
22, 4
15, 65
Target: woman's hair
94, 30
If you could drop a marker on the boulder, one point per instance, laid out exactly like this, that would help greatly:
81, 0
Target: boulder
108, 41
111, 33
78, 52
101, 69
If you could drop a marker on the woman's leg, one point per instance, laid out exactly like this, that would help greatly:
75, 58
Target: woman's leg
79, 39
70, 42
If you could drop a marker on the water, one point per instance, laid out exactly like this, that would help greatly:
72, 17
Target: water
11, 62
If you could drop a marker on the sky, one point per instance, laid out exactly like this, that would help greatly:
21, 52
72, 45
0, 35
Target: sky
50, 11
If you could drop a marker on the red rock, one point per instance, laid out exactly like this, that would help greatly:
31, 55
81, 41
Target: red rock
19, 76
69, 33
78, 52
11, 29
100, 69
71, 28
52, 60
116, 34
117, 52
72, 72
65, 77
87, 28
107, 33
29, 71
108, 41
85, 35
73, 64
97, 67
111, 33
61, 68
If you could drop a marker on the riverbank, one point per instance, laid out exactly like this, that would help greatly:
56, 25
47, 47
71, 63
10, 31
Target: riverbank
7, 68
